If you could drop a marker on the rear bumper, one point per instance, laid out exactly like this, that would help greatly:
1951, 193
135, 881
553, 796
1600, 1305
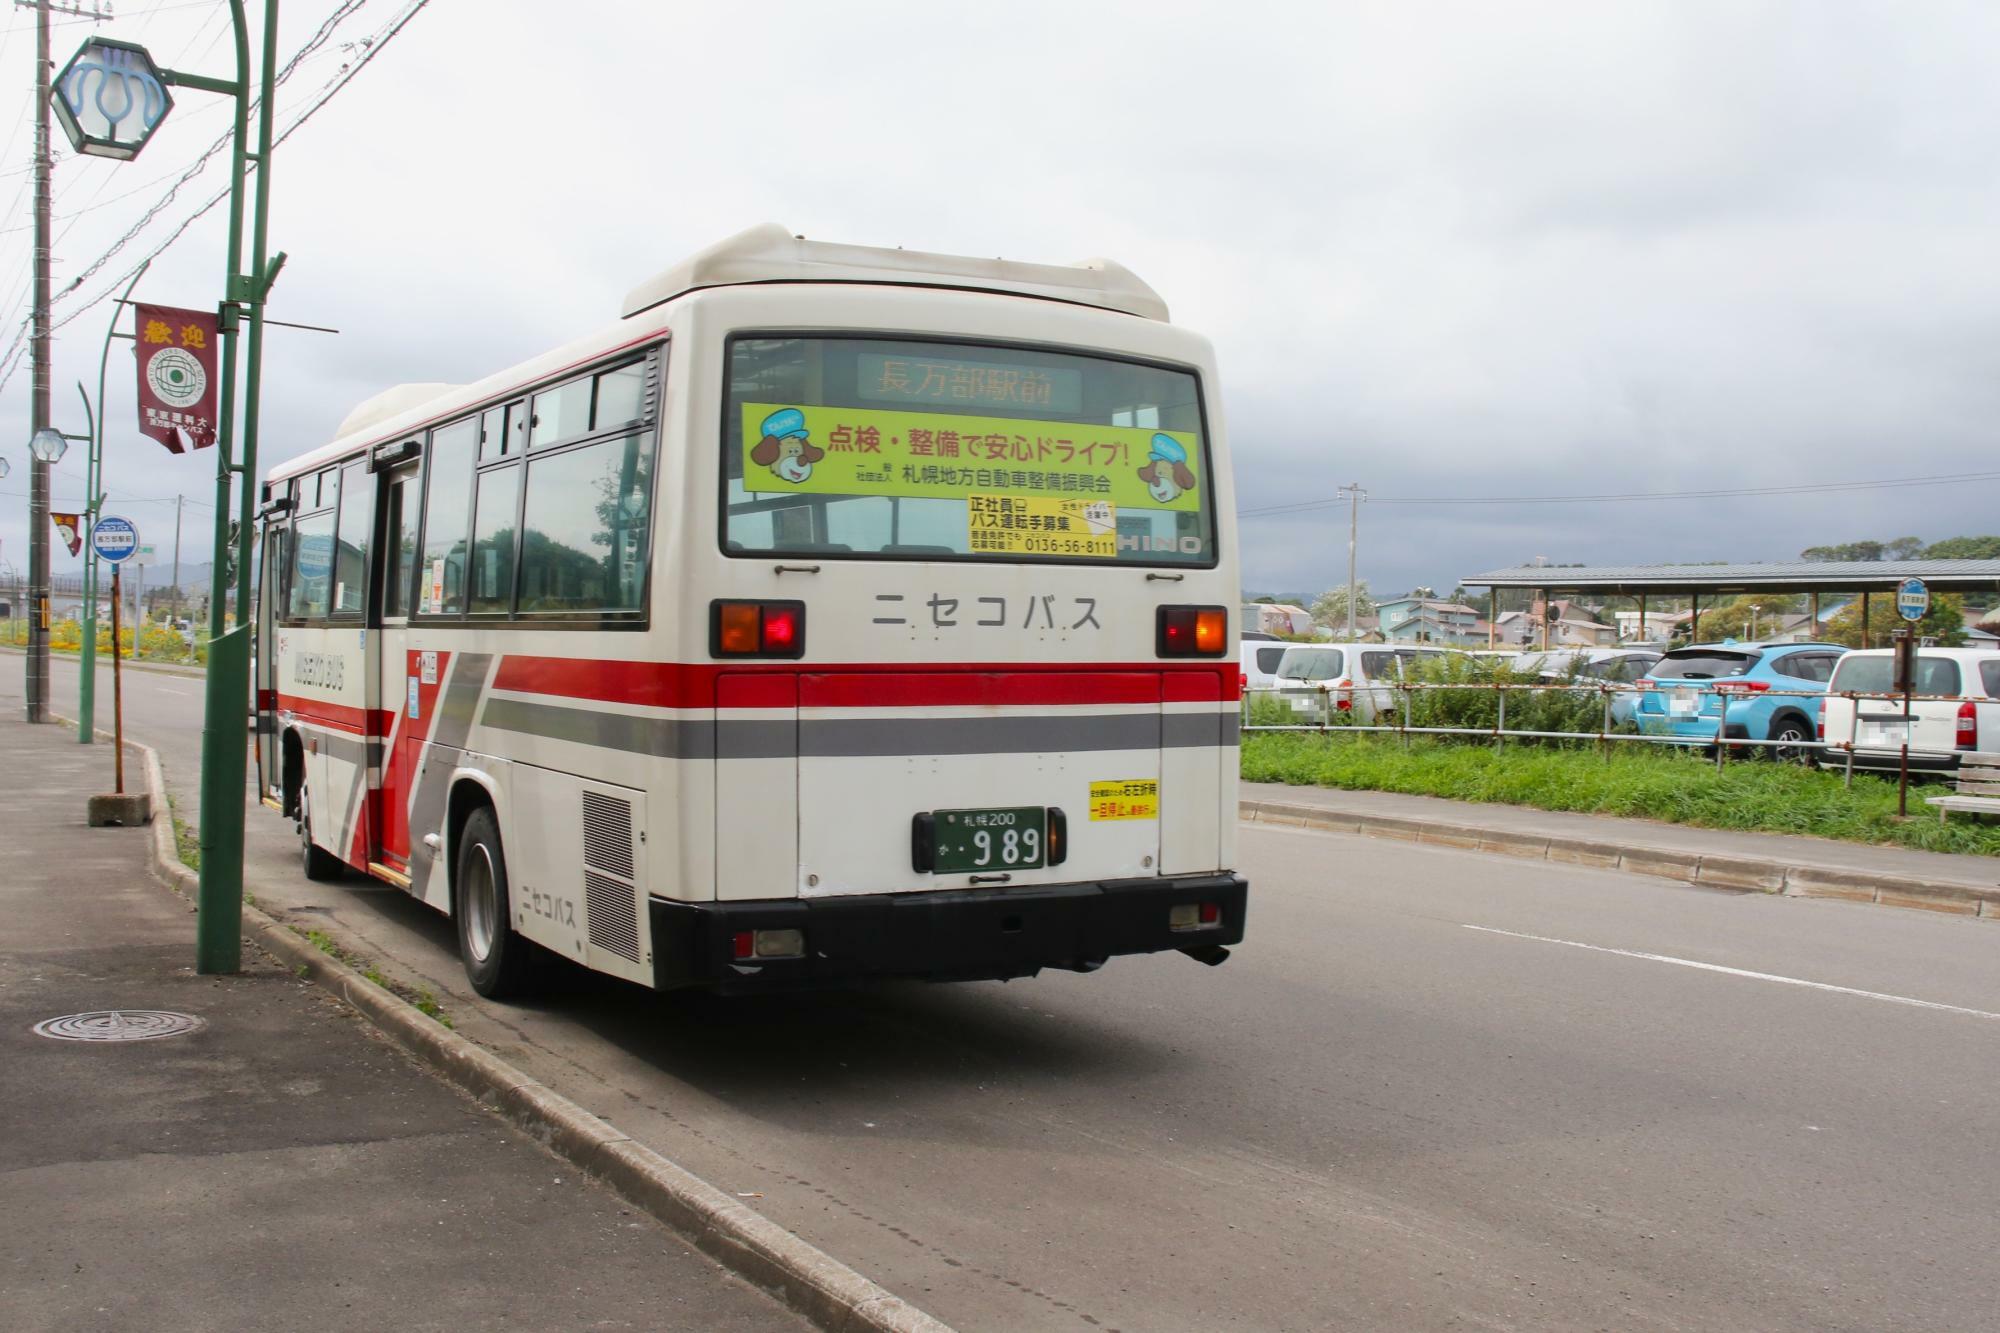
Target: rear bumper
950, 935
1889, 761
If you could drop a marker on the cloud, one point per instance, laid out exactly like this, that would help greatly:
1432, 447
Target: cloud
1442, 249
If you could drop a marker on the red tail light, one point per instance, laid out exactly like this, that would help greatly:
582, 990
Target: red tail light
1345, 703
1243, 684
1819, 723
1743, 686
1968, 726
757, 629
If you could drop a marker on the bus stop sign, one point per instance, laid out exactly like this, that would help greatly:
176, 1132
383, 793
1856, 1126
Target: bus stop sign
114, 539
1913, 599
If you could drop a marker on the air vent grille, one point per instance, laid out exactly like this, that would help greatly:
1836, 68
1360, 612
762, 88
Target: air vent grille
610, 898
614, 925
607, 834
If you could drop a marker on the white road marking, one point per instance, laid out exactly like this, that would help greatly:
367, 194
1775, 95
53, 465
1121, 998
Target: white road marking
1740, 972
168, 689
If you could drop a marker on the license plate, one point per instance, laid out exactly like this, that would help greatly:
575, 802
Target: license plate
1885, 733
1302, 704
1683, 703
1009, 838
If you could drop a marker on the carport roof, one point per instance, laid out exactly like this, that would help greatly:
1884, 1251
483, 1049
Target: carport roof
1796, 576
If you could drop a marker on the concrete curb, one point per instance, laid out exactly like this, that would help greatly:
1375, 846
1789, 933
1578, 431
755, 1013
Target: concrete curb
1761, 874
806, 1279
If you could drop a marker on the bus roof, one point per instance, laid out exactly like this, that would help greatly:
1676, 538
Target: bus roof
769, 253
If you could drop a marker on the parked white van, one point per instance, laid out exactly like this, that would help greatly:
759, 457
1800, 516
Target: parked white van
1354, 678
1260, 661
1954, 709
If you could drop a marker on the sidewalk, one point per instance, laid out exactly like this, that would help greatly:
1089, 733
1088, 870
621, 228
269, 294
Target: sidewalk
281, 1167
1772, 862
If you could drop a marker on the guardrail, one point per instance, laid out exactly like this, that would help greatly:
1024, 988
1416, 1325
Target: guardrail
1336, 714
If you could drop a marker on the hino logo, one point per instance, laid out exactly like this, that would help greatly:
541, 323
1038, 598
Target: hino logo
1132, 541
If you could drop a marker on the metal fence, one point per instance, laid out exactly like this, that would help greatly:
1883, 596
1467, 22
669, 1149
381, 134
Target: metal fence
1333, 710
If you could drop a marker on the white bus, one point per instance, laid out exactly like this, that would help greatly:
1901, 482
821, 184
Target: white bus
837, 613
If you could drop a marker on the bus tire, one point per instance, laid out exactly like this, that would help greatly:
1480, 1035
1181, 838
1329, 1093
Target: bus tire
498, 962
319, 864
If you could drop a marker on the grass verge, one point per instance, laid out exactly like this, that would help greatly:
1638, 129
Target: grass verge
421, 998
1663, 784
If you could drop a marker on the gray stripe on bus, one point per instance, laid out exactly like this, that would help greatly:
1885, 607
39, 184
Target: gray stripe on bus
825, 738
658, 737
455, 706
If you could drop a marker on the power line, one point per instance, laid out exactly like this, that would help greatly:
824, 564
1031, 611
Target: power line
1735, 492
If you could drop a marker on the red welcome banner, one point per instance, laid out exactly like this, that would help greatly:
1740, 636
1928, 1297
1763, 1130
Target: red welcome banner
176, 376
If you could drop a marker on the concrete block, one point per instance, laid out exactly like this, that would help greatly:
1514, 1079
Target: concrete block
1378, 826
1445, 835
127, 810
1990, 909
1658, 861
1926, 901
1528, 846
1582, 852
1743, 872
1814, 888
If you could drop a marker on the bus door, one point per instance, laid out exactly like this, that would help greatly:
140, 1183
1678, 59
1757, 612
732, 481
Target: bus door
401, 670
264, 657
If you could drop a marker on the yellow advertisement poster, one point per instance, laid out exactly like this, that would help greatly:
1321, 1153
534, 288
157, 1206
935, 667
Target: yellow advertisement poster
1037, 525
936, 455
1132, 799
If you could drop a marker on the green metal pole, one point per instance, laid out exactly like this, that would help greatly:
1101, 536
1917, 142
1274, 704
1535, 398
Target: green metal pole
86, 711
218, 945
263, 273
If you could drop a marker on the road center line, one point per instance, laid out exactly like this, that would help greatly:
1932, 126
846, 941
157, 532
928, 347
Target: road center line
1739, 972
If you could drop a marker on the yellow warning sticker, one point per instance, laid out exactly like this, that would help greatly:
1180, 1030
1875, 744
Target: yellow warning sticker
1137, 798
1041, 525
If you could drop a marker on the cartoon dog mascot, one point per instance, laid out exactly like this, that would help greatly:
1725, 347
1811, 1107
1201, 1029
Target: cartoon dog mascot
786, 448
1166, 472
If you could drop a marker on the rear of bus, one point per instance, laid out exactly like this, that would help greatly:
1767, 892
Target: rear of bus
956, 564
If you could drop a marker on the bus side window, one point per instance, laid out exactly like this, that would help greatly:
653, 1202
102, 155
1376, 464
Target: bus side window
350, 562
447, 515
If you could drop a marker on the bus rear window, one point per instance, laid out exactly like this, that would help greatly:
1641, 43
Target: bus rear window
927, 450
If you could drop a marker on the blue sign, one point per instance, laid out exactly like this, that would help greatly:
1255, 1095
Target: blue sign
1913, 599
114, 539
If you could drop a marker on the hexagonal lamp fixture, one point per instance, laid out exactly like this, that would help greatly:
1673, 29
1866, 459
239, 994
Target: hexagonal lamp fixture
110, 98
48, 445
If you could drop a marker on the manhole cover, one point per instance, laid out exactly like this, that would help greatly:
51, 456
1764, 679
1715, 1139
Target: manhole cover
119, 1025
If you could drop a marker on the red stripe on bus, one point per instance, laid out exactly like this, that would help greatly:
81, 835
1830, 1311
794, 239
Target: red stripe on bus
873, 684
369, 722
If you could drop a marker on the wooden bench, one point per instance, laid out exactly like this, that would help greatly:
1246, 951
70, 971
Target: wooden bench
1978, 787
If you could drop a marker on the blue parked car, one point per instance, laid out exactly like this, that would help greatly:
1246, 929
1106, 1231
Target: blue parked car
1684, 693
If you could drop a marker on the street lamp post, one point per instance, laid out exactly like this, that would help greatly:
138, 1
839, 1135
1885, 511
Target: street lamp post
225, 728
93, 503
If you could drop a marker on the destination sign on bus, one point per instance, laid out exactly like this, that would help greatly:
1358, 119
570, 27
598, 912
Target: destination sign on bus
956, 383
935, 455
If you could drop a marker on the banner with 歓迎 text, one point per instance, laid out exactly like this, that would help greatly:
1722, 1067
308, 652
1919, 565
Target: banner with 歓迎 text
176, 351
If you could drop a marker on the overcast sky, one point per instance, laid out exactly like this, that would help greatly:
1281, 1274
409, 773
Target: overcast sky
1445, 250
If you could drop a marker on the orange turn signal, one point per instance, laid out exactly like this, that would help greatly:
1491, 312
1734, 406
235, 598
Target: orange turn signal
1192, 631
757, 629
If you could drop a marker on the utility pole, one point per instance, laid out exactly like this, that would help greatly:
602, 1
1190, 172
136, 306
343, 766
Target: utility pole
1355, 495
177, 560
38, 352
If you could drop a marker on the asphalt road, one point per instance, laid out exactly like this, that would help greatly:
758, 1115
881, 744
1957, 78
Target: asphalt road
1433, 1089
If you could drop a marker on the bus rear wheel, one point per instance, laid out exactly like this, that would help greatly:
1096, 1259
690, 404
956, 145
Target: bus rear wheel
498, 962
318, 863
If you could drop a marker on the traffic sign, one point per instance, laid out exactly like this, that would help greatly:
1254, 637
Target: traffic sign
114, 538
1913, 599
